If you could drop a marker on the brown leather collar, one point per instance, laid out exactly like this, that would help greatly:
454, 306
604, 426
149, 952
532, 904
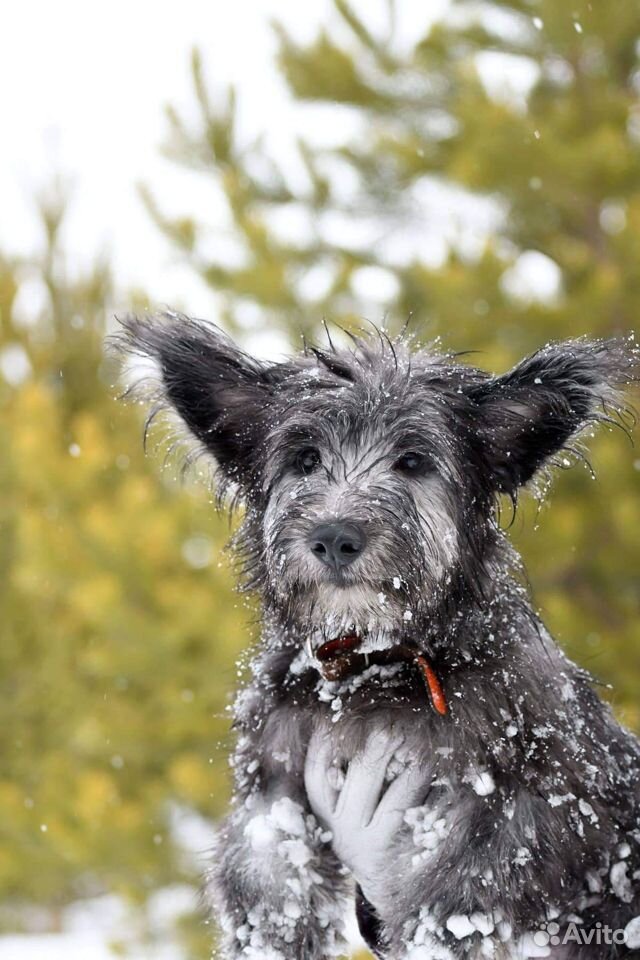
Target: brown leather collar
339, 658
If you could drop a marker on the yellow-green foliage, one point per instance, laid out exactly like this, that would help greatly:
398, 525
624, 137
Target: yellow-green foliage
119, 628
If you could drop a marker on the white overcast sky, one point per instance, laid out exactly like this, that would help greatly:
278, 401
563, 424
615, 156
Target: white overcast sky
82, 89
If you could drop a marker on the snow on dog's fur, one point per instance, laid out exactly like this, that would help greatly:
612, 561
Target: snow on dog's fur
531, 805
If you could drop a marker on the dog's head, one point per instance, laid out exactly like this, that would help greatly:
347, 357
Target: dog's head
370, 475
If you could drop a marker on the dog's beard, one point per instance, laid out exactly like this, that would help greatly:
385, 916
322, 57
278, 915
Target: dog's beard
382, 598
380, 617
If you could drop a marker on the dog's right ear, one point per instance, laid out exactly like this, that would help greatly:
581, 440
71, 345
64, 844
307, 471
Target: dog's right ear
192, 368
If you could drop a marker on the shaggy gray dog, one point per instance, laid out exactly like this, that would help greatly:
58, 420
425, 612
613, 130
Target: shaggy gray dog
393, 602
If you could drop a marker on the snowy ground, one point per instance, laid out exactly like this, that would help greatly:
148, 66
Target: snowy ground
58, 946
89, 930
92, 929
92, 944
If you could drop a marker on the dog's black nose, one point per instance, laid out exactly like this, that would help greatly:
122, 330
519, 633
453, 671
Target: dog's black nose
337, 544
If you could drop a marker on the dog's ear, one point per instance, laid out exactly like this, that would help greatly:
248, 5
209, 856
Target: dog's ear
220, 394
529, 414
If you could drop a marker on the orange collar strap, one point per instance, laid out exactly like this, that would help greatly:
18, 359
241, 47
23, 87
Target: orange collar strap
433, 685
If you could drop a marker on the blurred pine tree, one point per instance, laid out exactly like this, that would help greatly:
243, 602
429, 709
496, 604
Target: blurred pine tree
488, 185
118, 632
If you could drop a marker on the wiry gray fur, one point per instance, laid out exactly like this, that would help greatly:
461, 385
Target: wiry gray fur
538, 786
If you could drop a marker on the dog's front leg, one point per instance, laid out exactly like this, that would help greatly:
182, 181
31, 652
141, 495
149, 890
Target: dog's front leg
277, 890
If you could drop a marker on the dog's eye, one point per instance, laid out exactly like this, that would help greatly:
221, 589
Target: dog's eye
307, 460
412, 463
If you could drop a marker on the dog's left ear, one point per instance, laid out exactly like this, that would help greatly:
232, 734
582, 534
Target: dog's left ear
220, 394
529, 414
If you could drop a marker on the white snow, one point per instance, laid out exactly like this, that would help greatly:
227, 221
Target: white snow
288, 840
504, 930
296, 852
429, 828
460, 926
430, 951
632, 934
62, 946
292, 909
587, 810
594, 882
620, 882
280, 832
329, 690
90, 927
301, 663
483, 923
528, 948
523, 856
482, 782
261, 833
556, 799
